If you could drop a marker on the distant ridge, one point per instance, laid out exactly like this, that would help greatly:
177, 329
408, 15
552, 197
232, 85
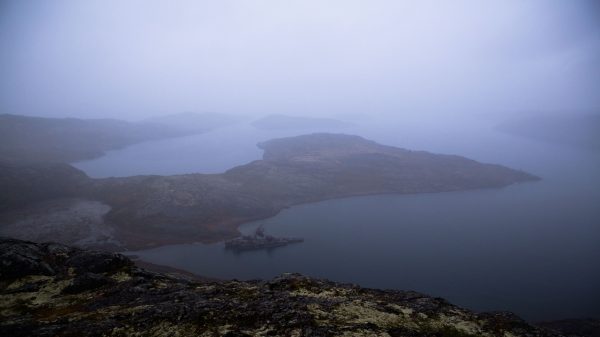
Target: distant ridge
273, 122
194, 121
578, 130
39, 139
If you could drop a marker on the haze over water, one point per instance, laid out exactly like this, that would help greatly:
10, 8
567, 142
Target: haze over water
529, 248
422, 75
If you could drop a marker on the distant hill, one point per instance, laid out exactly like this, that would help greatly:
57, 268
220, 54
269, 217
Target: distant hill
38, 139
274, 122
194, 122
582, 131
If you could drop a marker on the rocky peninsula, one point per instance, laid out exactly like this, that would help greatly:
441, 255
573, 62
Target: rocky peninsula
147, 211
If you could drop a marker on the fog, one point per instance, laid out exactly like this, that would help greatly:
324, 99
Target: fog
351, 59
445, 147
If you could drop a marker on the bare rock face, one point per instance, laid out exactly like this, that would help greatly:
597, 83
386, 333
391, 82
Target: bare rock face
21, 259
55, 290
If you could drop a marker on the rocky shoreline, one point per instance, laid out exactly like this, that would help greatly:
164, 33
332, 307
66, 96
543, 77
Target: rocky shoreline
54, 290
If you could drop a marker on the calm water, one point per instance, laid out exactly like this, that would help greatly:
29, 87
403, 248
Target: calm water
531, 248
212, 152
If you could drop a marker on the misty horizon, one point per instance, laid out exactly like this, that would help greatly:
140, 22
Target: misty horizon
300, 168
132, 60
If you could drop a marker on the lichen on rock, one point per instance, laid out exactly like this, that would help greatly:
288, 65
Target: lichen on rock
64, 291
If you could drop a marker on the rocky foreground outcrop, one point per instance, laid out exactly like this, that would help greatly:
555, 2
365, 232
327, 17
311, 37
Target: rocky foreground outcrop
55, 290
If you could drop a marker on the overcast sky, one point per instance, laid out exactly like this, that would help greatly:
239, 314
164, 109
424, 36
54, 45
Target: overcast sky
131, 59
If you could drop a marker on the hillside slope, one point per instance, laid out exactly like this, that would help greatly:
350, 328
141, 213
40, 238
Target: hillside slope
38, 139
